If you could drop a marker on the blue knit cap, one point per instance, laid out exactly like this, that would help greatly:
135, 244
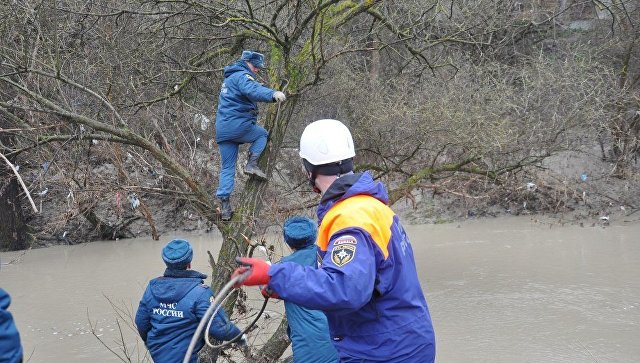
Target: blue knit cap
177, 254
257, 59
300, 232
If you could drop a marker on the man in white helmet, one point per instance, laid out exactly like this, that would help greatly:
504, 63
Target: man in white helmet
366, 282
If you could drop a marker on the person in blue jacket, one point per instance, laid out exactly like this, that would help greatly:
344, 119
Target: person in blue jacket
236, 122
172, 306
10, 347
367, 283
308, 329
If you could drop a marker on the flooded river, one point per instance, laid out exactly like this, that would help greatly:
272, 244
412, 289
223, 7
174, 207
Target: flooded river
499, 290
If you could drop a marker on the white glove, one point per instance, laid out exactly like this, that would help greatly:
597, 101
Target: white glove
279, 96
243, 340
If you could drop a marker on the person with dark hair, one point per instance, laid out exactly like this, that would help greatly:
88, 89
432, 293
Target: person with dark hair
308, 329
367, 283
172, 306
236, 122
10, 347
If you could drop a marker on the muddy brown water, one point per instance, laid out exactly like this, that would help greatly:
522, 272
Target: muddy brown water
499, 290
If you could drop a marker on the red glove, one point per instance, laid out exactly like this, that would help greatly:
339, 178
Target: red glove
254, 270
268, 293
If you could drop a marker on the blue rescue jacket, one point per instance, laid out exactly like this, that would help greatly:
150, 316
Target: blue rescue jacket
367, 285
10, 347
237, 103
308, 329
169, 313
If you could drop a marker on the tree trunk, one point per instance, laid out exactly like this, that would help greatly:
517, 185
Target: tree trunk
13, 230
276, 346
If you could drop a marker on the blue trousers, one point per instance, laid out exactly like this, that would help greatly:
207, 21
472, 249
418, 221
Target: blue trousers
257, 136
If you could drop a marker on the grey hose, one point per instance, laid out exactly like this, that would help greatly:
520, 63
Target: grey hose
215, 303
250, 326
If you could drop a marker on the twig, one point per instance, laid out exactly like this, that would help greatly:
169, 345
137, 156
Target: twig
212, 261
16, 259
588, 351
33, 205
632, 212
93, 331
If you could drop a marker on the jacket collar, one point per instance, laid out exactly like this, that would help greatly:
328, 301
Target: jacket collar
169, 272
349, 185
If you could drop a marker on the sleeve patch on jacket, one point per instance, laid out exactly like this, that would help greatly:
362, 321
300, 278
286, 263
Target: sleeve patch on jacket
343, 254
345, 239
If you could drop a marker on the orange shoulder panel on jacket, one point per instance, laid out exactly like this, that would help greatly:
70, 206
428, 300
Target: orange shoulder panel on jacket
360, 211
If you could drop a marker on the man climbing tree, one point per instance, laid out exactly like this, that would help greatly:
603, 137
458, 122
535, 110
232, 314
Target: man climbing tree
236, 122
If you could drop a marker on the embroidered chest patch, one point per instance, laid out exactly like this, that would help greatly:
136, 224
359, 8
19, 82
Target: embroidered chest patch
343, 253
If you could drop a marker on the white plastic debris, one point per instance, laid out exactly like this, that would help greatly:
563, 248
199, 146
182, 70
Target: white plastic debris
262, 249
531, 186
604, 218
44, 192
201, 119
133, 199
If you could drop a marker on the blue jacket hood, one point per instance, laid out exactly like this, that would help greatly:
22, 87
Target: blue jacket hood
168, 288
237, 66
349, 185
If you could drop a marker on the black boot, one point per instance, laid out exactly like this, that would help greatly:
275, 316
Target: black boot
225, 209
252, 167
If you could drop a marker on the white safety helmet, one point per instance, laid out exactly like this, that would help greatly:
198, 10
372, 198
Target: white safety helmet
326, 141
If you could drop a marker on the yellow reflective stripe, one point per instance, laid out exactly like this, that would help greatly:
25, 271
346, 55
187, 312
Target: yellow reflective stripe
360, 211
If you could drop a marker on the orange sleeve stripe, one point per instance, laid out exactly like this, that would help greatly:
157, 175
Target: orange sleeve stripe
361, 211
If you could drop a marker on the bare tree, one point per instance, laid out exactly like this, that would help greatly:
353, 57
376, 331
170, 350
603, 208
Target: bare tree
621, 20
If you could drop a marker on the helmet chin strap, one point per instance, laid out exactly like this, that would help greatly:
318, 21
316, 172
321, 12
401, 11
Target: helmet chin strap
312, 182
311, 170
338, 168
313, 174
